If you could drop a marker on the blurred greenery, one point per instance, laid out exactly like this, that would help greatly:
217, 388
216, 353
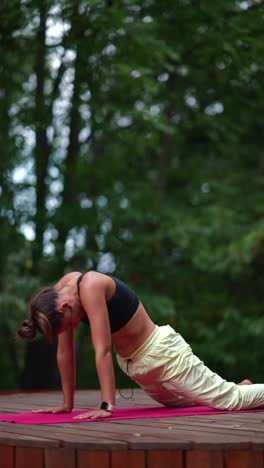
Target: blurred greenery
131, 143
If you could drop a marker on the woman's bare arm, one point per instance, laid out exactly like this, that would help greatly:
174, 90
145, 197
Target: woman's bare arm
66, 365
94, 303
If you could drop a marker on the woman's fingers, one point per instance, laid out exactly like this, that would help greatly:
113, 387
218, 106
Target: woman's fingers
94, 414
83, 416
60, 410
43, 410
56, 410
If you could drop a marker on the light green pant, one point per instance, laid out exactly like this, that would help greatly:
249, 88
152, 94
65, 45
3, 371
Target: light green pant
166, 368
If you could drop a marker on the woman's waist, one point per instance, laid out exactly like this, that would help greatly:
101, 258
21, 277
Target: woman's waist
134, 334
163, 343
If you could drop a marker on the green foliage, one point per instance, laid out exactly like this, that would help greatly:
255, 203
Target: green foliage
139, 130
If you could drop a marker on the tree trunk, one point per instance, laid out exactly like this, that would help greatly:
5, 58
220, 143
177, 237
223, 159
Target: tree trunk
35, 375
70, 186
164, 155
42, 147
40, 371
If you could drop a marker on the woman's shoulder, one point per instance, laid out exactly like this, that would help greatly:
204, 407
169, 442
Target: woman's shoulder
94, 283
68, 277
93, 278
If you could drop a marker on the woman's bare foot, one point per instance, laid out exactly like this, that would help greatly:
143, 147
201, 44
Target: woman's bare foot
245, 382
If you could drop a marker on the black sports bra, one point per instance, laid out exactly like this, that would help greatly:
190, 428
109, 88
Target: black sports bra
121, 306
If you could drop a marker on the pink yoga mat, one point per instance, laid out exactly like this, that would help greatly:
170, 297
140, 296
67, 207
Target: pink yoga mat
120, 413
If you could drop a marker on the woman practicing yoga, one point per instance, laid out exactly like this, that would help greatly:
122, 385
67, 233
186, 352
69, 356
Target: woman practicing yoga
156, 358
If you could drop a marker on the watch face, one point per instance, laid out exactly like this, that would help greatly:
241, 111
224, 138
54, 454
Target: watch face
104, 405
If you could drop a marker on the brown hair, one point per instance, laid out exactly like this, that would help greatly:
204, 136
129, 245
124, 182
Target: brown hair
44, 316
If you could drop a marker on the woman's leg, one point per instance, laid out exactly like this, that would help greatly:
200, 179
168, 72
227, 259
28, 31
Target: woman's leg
205, 387
167, 396
171, 374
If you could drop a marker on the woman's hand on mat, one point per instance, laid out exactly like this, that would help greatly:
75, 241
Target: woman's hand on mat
56, 410
94, 414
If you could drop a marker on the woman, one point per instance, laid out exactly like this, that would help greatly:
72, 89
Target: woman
157, 358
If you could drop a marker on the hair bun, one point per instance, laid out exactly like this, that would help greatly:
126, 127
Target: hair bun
27, 323
28, 330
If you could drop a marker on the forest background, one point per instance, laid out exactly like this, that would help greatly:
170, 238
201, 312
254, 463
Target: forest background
131, 138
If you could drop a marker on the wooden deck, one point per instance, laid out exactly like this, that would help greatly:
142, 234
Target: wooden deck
222, 441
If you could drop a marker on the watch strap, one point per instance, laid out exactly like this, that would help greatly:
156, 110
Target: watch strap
107, 406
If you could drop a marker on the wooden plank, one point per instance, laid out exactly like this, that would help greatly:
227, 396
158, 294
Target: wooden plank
92, 459
176, 437
50, 436
128, 442
7, 456
138, 438
102, 433
243, 459
237, 431
197, 432
40, 437
229, 417
204, 459
129, 459
59, 458
163, 438
253, 426
87, 430
27, 457
187, 423
91, 443
166, 458
18, 440
234, 424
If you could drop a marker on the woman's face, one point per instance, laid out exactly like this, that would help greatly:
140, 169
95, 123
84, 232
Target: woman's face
71, 313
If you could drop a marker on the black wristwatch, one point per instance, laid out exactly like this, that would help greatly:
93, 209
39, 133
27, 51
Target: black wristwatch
106, 406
